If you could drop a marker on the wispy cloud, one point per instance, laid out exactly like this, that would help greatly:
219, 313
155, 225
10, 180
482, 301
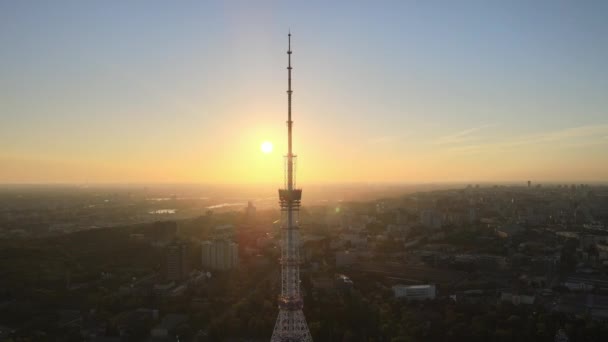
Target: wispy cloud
580, 136
589, 131
467, 149
385, 139
462, 136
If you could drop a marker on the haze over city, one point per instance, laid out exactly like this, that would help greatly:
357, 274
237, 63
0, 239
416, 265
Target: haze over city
253, 171
396, 91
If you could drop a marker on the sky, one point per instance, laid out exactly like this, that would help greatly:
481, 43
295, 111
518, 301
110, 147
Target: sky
384, 91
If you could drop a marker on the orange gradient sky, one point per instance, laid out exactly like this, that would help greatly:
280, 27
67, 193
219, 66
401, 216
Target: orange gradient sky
405, 92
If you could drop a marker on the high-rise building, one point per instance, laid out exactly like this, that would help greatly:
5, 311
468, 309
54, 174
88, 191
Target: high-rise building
431, 218
178, 266
250, 212
219, 254
291, 324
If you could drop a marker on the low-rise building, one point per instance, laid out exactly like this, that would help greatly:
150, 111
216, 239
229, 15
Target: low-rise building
508, 231
345, 258
517, 299
168, 325
343, 282
415, 292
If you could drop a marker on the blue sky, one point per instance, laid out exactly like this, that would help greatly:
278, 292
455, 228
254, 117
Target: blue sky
127, 91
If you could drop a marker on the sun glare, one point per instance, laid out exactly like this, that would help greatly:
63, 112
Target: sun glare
266, 147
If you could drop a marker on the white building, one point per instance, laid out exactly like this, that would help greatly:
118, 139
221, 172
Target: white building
578, 286
220, 254
415, 292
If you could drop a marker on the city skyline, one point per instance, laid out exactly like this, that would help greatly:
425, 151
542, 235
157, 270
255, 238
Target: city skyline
409, 92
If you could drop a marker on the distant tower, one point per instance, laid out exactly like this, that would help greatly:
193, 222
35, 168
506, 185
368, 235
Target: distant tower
291, 325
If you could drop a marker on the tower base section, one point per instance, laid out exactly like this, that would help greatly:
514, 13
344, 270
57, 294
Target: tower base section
291, 327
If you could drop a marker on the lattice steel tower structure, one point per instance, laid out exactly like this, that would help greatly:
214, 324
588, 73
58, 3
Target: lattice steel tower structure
291, 325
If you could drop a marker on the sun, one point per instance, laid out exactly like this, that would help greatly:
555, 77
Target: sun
266, 147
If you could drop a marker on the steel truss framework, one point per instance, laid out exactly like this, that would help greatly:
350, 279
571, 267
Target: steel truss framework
291, 324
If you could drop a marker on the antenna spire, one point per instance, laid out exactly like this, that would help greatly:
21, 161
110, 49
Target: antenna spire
289, 92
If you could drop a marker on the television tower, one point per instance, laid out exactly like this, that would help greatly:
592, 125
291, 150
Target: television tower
291, 325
